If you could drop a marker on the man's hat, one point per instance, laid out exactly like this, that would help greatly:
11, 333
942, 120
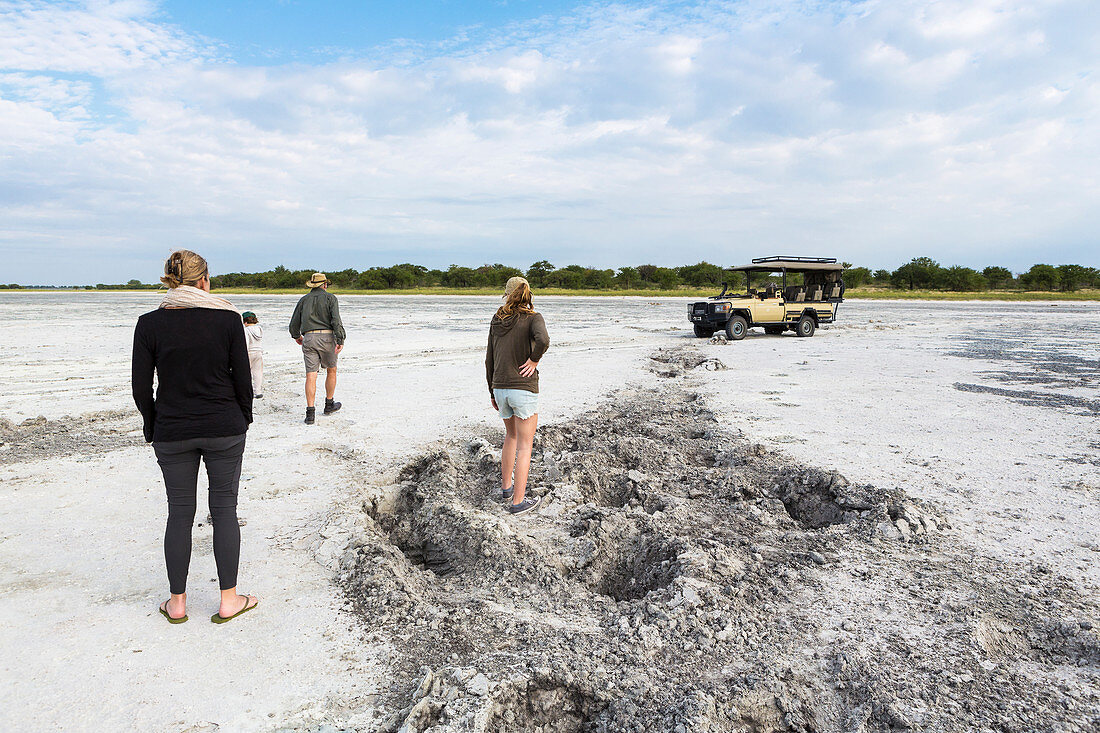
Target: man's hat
318, 279
248, 314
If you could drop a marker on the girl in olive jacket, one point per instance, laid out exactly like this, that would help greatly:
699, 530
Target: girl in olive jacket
517, 341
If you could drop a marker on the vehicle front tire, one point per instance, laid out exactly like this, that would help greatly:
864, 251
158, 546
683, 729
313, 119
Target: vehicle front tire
736, 328
805, 327
702, 332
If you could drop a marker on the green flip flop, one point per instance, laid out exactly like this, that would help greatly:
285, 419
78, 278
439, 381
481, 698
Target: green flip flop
219, 619
164, 612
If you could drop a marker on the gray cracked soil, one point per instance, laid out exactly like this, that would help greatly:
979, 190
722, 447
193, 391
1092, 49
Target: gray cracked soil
681, 578
91, 434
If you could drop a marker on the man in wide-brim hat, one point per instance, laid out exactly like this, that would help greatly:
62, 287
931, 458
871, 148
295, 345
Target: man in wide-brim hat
317, 327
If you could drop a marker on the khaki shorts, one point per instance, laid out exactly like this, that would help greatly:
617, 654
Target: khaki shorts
319, 350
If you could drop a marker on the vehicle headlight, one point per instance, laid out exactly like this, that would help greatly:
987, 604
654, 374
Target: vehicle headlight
721, 307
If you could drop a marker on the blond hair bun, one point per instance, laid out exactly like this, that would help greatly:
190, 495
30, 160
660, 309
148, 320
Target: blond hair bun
184, 267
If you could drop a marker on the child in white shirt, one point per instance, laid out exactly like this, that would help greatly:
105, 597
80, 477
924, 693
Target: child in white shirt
254, 335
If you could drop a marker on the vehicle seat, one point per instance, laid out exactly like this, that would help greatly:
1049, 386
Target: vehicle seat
801, 295
835, 292
815, 293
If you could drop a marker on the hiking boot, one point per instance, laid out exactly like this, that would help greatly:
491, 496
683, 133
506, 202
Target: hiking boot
524, 506
331, 407
311, 415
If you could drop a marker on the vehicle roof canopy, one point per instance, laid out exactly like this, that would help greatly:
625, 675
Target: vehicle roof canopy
794, 264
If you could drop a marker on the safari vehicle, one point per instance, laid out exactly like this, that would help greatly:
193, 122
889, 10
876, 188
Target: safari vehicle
798, 307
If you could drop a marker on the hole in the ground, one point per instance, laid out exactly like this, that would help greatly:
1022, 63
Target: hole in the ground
546, 707
630, 570
810, 498
430, 538
814, 511
427, 555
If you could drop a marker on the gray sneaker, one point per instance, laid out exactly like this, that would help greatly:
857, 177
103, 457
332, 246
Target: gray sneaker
524, 506
506, 494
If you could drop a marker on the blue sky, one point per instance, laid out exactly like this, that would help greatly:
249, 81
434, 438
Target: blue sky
331, 135
308, 31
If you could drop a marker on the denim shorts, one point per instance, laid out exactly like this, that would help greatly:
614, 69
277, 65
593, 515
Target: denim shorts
516, 402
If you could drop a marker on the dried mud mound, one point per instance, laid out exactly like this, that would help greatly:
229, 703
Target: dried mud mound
681, 578
87, 435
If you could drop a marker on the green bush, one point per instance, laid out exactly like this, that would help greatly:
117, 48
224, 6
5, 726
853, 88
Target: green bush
963, 279
920, 273
1041, 277
998, 277
1074, 277
855, 277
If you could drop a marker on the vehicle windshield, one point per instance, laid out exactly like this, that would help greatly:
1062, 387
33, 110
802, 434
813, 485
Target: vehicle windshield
766, 283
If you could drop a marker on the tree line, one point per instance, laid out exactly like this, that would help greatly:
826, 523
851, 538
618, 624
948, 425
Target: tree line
131, 285
924, 273
920, 273
541, 274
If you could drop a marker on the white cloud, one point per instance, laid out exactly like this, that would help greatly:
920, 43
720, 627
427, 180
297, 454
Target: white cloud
962, 21
678, 53
514, 73
873, 131
99, 38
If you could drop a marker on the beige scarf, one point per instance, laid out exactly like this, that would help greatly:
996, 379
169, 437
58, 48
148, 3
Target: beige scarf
186, 296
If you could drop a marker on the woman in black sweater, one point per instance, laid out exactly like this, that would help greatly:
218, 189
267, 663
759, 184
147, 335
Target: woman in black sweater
196, 344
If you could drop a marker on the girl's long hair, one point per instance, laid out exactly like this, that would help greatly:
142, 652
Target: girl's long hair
518, 301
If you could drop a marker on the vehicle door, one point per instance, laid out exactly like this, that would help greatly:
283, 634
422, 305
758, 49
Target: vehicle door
769, 310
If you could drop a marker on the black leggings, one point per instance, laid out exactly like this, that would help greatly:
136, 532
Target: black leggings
179, 462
